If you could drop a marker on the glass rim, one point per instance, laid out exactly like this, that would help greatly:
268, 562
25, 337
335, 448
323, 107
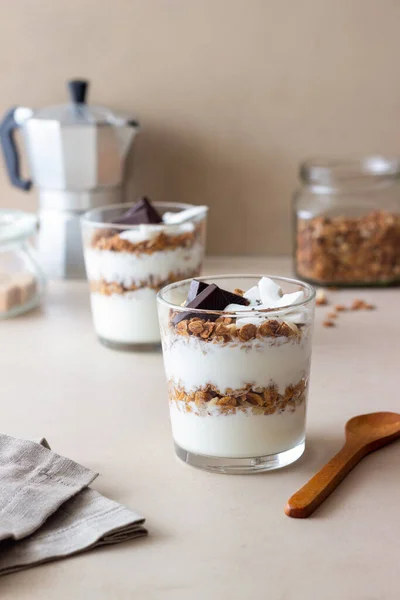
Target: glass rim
201, 311
16, 226
86, 217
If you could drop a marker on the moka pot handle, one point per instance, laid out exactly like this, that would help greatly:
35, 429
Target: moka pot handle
8, 127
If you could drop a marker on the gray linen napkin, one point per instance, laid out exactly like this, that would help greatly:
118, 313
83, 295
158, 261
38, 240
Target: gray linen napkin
44, 496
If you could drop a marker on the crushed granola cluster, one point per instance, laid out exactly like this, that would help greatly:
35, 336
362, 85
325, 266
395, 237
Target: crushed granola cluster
224, 330
330, 320
109, 239
349, 250
260, 400
108, 288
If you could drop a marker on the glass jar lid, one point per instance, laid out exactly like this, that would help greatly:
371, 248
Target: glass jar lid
338, 173
16, 225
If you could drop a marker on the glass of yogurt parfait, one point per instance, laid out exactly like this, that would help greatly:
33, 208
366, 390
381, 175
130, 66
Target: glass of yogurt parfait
237, 364
131, 252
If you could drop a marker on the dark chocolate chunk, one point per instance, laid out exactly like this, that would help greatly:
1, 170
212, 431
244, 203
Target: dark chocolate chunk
232, 298
142, 213
195, 288
210, 298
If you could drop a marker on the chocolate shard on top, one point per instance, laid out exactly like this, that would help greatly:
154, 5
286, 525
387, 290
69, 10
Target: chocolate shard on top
232, 298
210, 298
142, 213
195, 288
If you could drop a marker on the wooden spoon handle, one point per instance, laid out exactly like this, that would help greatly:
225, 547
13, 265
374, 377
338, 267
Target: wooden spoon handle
303, 503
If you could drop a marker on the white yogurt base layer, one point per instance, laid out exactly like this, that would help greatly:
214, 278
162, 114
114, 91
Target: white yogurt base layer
192, 363
238, 435
128, 268
126, 318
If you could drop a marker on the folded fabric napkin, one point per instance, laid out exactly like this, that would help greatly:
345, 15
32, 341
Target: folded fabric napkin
47, 512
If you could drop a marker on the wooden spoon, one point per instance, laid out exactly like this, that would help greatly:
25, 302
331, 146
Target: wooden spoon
364, 434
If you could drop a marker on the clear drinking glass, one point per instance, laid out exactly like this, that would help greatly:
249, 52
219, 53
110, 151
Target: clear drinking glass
237, 393
127, 265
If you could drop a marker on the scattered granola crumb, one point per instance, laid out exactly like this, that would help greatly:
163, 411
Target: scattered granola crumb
320, 298
357, 304
361, 305
328, 324
340, 308
332, 315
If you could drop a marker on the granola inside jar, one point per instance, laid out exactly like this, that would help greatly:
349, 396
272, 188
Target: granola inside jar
347, 222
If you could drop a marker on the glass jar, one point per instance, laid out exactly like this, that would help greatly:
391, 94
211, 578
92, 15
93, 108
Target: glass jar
21, 279
347, 222
237, 381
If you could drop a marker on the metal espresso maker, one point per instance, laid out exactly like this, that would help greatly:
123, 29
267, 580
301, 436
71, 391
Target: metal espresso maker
76, 155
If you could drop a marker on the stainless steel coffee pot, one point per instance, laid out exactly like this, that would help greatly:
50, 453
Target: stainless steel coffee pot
76, 155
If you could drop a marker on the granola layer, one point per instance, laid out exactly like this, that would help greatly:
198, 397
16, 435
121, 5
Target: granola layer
257, 400
224, 329
349, 250
109, 239
108, 288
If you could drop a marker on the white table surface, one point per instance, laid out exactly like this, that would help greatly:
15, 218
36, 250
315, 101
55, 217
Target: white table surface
211, 536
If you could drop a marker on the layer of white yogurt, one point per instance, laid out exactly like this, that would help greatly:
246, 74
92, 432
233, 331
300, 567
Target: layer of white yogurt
128, 268
129, 318
238, 435
192, 362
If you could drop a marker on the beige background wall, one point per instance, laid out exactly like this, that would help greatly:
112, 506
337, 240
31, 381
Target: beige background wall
231, 93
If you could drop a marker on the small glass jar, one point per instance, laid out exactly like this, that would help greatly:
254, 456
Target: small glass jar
347, 222
237, 390
21, 279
